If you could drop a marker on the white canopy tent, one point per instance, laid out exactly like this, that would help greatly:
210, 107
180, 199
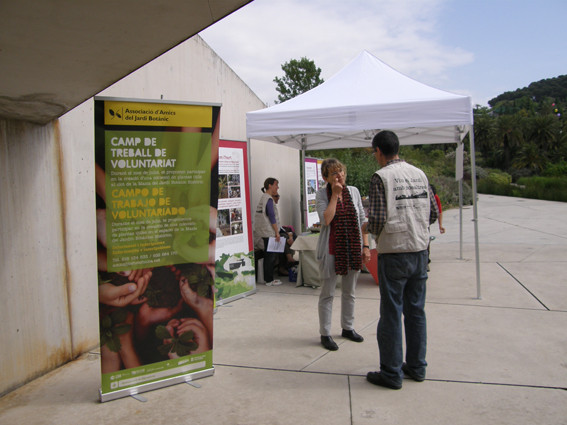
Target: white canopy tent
367, 96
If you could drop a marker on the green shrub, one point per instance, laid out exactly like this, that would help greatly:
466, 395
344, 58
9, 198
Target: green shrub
547, 188
492, 187
499, 177
519, 173
495, 182
448, 191
556, 170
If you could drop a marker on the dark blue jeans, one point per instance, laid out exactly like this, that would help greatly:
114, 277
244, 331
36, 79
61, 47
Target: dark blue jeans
402, 278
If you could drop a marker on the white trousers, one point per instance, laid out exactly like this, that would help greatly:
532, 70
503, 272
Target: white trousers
348, 286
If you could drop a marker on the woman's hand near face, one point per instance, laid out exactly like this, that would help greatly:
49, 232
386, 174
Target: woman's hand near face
337, 182
337, 187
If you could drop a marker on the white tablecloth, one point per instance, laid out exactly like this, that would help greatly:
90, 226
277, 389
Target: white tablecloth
308, 273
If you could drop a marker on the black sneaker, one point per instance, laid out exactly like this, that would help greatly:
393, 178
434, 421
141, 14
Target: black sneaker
376, 378
408, 372
328, 343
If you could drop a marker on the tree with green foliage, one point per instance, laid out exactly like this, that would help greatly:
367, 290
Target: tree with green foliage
483, 129
542, 131
538, 91
299, 76
510, 137
530, 157
360, 164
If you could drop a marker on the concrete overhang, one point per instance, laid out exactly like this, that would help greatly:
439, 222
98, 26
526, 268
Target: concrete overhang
55, 54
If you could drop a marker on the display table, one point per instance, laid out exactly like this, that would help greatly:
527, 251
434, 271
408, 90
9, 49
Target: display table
308, 271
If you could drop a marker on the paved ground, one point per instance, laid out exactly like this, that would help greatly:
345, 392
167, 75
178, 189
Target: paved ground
501, 359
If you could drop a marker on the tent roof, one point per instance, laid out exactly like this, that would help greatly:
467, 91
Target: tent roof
366, 96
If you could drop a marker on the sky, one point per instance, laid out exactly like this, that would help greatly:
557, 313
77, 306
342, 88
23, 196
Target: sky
479, 48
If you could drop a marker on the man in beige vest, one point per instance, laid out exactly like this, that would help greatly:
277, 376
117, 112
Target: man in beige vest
401, 209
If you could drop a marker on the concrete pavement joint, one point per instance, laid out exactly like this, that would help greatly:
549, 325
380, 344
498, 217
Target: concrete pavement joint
349, 375
523, 286
501, 307
350, 399
273, 369
314, 361
499, 384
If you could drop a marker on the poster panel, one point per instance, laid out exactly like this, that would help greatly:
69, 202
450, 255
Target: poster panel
311, 186
320, 181
156, 172
235, 274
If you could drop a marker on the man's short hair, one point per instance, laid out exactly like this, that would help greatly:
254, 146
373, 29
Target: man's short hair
388, 143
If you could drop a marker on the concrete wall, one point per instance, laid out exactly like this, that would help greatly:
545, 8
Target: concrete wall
34, 310
77, 170
49, 304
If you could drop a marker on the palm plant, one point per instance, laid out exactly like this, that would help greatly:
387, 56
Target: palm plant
530, 157
543, 131
510, 136
483, 130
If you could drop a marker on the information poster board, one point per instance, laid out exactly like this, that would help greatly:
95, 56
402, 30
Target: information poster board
320, 181
156, 172
235, 274
311, 186
313, 181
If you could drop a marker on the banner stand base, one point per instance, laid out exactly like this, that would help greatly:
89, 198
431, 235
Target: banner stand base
224, 301
193, 384
139, 398
133, 392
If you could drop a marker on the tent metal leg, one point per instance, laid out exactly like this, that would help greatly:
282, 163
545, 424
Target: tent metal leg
475, 213
303, 188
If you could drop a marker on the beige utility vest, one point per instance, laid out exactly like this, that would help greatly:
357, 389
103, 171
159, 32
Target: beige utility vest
407, 209
262, 225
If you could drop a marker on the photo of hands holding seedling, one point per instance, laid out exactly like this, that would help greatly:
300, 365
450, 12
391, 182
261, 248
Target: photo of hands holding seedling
154, 314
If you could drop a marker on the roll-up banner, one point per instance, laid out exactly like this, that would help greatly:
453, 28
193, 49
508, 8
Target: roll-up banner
156, 174
235, 273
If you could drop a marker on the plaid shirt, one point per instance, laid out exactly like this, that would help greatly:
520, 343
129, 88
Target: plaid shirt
377, 208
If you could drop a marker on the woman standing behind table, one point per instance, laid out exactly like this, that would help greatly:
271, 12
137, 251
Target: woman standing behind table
266, 225
341, 249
